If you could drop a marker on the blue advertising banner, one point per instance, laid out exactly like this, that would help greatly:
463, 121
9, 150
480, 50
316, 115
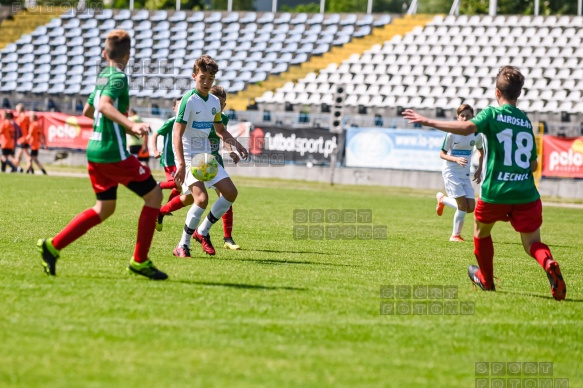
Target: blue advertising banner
403, 149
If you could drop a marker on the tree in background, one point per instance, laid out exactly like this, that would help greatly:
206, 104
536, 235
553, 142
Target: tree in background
238, 5
346, 6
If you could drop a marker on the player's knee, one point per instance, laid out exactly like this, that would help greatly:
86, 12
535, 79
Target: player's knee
201, 200
231, 195
187, 200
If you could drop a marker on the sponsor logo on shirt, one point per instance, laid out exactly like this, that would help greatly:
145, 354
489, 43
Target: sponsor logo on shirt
512, 177
214, 111
514, 121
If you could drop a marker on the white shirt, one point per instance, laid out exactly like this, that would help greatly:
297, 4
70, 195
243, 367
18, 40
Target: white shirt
199, 116
460, 146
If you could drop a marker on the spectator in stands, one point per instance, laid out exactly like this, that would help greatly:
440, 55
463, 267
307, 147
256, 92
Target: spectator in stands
138, 147
79, 106
22, 146
52, 106
378, 120
36, 139
6, 104
7, 139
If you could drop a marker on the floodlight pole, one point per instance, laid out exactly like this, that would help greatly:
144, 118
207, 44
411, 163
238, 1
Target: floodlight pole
274, 6
536, 7
579, 7
369, 7
455, 8
178, 5
322, 6
131, 5
493, 7
230, 5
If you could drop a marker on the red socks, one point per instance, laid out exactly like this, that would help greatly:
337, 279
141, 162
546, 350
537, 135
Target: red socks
484, 251
168, 185
173, 193
76, 228
228, 222
171, 206
541, 253
146, 227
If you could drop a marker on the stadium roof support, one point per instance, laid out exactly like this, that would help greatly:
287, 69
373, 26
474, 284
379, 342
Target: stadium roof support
412, 8
455, 8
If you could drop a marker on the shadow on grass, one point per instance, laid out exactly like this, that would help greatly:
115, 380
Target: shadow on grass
281, 262
298, 252
519, 243
239, 285
567, 300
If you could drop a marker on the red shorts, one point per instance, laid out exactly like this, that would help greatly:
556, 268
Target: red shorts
105, 177
170, 171
524, 217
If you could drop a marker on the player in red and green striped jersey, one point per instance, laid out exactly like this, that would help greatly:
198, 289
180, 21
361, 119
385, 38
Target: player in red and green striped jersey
110, 164
508, 190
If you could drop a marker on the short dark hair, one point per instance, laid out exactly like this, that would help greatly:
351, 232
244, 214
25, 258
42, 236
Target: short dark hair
205, 63
117, 44
463, 107
510, 82
132, 110
219, 91
9, 115
177, 100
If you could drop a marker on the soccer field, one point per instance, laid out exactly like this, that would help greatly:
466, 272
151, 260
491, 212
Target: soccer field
282, 311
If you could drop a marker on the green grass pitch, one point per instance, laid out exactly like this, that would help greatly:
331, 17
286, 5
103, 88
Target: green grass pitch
281, 312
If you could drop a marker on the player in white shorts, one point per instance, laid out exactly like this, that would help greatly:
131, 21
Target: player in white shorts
199, 111
456, 152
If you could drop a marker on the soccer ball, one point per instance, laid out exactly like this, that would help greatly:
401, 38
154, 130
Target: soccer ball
204, 167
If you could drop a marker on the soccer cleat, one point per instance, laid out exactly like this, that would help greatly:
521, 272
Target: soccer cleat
473, 274
49, 255
146, 269
457, 238
230, 244
558, 286
205, 241
181, 251
159, 223
440, 205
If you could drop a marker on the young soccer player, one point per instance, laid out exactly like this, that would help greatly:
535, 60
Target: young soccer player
199, 111
8, 134
22, 145
136, 145
456, 152
110, 164
221, 94
36, 138
508, 190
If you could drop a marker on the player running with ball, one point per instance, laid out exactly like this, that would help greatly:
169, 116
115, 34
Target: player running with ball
508, 191
199, 111
456, 152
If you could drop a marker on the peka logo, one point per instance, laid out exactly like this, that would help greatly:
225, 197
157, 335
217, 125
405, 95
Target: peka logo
69, 130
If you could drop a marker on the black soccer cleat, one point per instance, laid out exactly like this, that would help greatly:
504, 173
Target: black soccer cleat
472, 273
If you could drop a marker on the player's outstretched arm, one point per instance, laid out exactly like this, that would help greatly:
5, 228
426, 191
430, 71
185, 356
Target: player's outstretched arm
157, 153
230, 140
463, 128
478, 173
107, 109
177, 132
89, 111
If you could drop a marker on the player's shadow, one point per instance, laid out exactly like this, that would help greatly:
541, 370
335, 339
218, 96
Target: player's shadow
297, 252
282, 262
241, 285
567, 300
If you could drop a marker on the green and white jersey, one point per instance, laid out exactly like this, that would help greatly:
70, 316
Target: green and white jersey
199, 114
107, 143
165, 130
460, 146
511, 148
216, 140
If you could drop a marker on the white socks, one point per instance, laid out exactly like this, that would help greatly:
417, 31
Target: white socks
219, 208
451, 202
192, 220
458, 222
